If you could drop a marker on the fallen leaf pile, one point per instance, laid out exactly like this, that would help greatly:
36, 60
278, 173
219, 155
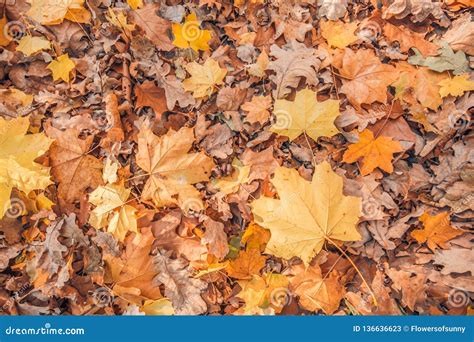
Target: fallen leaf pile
236, 157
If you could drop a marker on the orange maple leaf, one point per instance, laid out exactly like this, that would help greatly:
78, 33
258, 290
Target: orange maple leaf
375, 152
437, 230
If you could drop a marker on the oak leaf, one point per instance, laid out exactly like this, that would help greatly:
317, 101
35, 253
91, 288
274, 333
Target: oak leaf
183, 290
292, 63
437, 230
18, 151
204, 78
375, 152
190, 34
446, 60
305, 115
216, 238
307, 213
365, 78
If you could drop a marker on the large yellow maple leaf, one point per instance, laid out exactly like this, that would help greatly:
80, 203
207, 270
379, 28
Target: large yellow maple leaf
112, 211
305, 115
171, 169
18, 151
190, 34
204, 78
307, 213
374, 152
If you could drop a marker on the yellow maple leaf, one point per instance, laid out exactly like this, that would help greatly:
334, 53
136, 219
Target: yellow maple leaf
305, 115
204, 78
171, 169
30, 45
190, 34
135, 4
112, 211
455, 86
18, 150
61, 67
53, 12
338, 34
375, 152
264, 295
437, 230
307, 213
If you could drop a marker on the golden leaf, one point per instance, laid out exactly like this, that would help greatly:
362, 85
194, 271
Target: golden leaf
307, 213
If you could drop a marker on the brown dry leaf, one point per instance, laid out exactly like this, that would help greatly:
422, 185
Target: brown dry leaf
408, 39
461, 34
149, 95
135, 269
247, 264
183, 290
216, 238
156, 28
365, 78
74, 168
437, 230
292, 63
258, 109
166, 233
411, 285
316, 292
